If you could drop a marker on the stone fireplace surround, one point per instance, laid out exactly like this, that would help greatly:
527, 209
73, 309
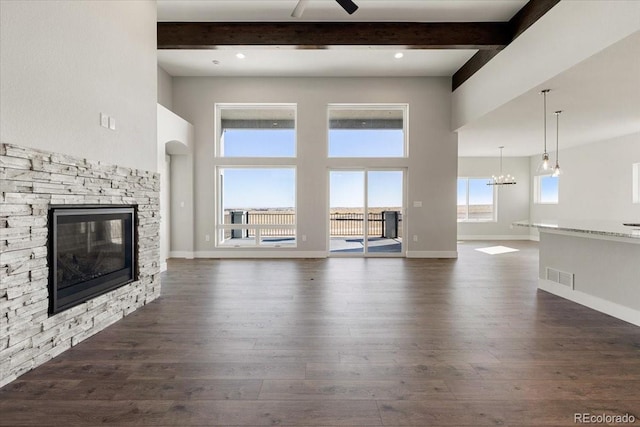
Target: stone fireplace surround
30, 181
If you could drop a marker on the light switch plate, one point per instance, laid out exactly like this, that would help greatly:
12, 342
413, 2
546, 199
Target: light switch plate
104, 120
112, 123
417, 204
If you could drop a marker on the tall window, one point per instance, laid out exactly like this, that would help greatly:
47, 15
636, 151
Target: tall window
256, 198
476, 200
367, 131
546, 189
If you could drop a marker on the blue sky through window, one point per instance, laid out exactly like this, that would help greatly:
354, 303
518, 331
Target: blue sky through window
385, 189
366, 143
259, 142
254, 188
548, 189
479, 192
347, 189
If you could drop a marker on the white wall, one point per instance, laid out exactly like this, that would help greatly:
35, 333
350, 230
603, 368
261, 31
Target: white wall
432, 164
175, 138
181, 208
596, 183
62, 63
512, 200
165, 89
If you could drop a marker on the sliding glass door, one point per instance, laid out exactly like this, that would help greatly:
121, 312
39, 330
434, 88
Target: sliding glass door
365, 212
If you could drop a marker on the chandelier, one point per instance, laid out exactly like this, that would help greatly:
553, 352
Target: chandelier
502, 179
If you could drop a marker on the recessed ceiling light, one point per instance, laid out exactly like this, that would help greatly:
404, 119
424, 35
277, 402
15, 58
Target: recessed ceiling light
240, 55
398, 55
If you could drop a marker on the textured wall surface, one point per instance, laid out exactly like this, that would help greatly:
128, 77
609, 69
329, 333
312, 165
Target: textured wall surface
30, 181
64, 62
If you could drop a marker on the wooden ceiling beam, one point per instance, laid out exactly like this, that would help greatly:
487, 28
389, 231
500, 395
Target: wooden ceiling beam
526, 17
319, 35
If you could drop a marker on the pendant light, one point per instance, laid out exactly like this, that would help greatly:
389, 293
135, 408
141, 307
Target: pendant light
544, 165
556, 170
502, 179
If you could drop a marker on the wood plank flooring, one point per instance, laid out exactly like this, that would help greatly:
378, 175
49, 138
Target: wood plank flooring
348, 342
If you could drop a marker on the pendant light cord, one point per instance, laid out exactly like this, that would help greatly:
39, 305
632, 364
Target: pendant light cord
544, 95
557, 135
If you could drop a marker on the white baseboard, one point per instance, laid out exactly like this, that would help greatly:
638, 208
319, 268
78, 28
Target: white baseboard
181, 254
432, 254
163, 267
534, 238
265, 254
260, 254
607, 307
494, 237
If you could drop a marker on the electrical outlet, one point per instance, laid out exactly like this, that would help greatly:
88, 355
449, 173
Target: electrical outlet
415, 237
104, 120
207, 238
112, 123
304, 237
417, 204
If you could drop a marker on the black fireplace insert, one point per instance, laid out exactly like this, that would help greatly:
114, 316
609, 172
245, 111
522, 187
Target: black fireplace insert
92, 251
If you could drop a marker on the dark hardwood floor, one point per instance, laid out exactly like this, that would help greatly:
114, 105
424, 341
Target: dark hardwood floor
358, 342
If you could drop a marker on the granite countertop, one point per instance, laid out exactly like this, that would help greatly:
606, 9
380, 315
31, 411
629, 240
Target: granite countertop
602, 228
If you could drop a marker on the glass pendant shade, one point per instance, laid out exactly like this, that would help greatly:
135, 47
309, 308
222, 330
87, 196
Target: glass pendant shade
545, 164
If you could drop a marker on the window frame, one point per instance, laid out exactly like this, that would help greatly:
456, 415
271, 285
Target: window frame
219, 107
495, 202
537, 189
404, 107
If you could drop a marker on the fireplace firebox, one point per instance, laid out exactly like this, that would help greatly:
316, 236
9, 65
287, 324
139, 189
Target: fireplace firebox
92, 251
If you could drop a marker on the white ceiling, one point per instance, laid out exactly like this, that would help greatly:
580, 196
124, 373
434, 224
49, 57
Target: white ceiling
329, 10
600, 99
343, 62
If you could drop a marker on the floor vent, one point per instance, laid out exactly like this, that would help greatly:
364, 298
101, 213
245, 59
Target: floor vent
561, 277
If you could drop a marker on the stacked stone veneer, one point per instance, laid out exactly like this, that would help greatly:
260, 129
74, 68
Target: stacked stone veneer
30, 181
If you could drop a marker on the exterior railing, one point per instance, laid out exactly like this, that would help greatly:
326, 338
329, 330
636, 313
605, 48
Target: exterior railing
340, 224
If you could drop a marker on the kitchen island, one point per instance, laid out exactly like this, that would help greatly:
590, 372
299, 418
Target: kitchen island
593, 263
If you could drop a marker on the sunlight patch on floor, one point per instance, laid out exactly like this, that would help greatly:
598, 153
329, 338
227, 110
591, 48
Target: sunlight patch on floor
497, 250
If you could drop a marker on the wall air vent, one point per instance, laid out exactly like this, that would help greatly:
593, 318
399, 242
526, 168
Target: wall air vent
561, 277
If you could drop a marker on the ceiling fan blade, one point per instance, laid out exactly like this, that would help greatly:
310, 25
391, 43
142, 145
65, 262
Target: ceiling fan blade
299, 9
349, 6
